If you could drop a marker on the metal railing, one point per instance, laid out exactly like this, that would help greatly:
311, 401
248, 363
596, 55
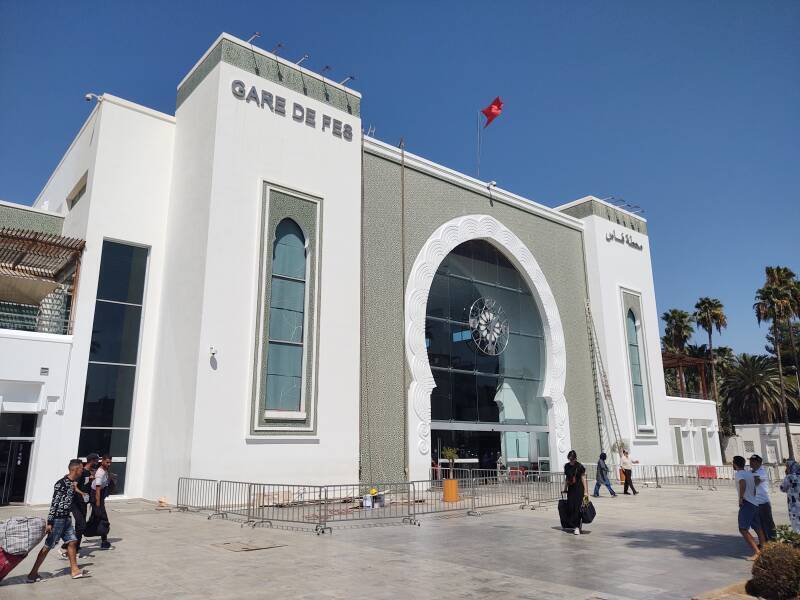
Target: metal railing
197, 494
24, 317
427, 497
326, 505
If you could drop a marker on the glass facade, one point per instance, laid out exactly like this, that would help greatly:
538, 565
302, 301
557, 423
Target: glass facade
111, 374
637, 384
476, 387
286, 319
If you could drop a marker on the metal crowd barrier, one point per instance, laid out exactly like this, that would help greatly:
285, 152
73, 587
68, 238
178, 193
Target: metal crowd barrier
196, 494
500, 490
427, 497
546, 486
272, 503
322, 506
360, 502
438, 474
233, 499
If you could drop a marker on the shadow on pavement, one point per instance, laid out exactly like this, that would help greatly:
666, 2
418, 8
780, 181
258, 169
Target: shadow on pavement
690, 544
22, 578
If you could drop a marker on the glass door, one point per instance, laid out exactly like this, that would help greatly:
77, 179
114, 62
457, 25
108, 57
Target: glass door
14, 459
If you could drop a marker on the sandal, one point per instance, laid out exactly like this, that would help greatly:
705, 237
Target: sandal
34, 580
82, 574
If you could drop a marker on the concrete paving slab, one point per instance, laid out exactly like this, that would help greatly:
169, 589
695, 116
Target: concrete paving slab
662, 544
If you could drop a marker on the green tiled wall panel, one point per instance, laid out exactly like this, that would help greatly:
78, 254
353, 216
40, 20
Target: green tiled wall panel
271, 70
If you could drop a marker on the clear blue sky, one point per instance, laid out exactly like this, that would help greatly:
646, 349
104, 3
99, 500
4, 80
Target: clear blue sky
690, 109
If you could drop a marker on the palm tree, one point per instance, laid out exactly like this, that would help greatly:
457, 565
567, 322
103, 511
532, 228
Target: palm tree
709, 314
752, 389
677, 329
774, 303
784, 277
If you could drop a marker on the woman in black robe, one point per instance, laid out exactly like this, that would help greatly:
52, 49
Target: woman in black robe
576, 490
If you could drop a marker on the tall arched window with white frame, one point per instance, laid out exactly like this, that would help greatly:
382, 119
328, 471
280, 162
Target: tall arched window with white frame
287, 308
641, 403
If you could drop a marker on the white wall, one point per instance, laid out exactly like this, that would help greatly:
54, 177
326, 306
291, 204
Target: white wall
251, 146
127, 151
613, 267
24, 389
77, 160
763, 436
174, 385
692, 415
132, 179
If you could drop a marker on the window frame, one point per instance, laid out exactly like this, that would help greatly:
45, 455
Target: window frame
632, 300
276, 204
300, 414
134, 406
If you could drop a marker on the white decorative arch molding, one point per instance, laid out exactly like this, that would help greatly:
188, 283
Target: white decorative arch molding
439, 245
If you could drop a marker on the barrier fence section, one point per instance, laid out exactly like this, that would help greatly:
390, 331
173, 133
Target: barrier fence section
476, 489
427, 497
233, 499
281, 503
545, 486
197, 494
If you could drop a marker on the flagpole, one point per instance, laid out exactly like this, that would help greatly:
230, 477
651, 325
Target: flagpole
478, 120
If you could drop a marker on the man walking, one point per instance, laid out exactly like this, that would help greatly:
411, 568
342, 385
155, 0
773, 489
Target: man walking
627, 467
102, 479
80, 501
748, 509
602, 477
762, 496
59, 523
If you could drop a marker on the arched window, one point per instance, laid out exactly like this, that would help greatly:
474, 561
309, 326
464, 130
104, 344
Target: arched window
637, 383
286, 319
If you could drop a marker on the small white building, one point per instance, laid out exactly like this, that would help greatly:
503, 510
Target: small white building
263, 293
767, 440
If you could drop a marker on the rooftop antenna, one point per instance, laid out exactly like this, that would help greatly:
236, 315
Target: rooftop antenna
371, 130
255, 35
302, 58
346, 79
278, 47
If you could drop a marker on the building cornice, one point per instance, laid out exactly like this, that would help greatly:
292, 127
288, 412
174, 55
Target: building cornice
269, 67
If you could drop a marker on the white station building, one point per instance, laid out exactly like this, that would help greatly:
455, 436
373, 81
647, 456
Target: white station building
251, 289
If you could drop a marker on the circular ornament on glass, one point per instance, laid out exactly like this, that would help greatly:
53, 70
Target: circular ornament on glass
489, 326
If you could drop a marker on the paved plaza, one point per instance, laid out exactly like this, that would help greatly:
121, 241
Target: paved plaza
664, 543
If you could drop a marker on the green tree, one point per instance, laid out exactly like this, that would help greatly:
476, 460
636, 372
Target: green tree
784, 277
709, 314
678, 328
774, 303
752, 389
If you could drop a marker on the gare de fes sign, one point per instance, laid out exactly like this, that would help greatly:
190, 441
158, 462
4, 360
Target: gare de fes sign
301, 114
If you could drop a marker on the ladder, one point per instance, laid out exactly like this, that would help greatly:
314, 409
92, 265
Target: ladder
603, 400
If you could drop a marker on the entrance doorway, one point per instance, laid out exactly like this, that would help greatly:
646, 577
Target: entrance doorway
17, 431
14, 459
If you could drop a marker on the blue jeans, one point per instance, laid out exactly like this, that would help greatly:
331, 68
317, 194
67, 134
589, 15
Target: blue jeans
607, 483
63, 530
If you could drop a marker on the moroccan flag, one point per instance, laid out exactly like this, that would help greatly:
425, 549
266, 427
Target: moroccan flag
492, 111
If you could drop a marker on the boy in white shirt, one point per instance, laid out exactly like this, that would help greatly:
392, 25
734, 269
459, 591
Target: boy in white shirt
748, 509
762, 496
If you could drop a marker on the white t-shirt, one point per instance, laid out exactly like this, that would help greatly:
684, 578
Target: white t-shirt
749, 485
762, 489
100, 479
625, 462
